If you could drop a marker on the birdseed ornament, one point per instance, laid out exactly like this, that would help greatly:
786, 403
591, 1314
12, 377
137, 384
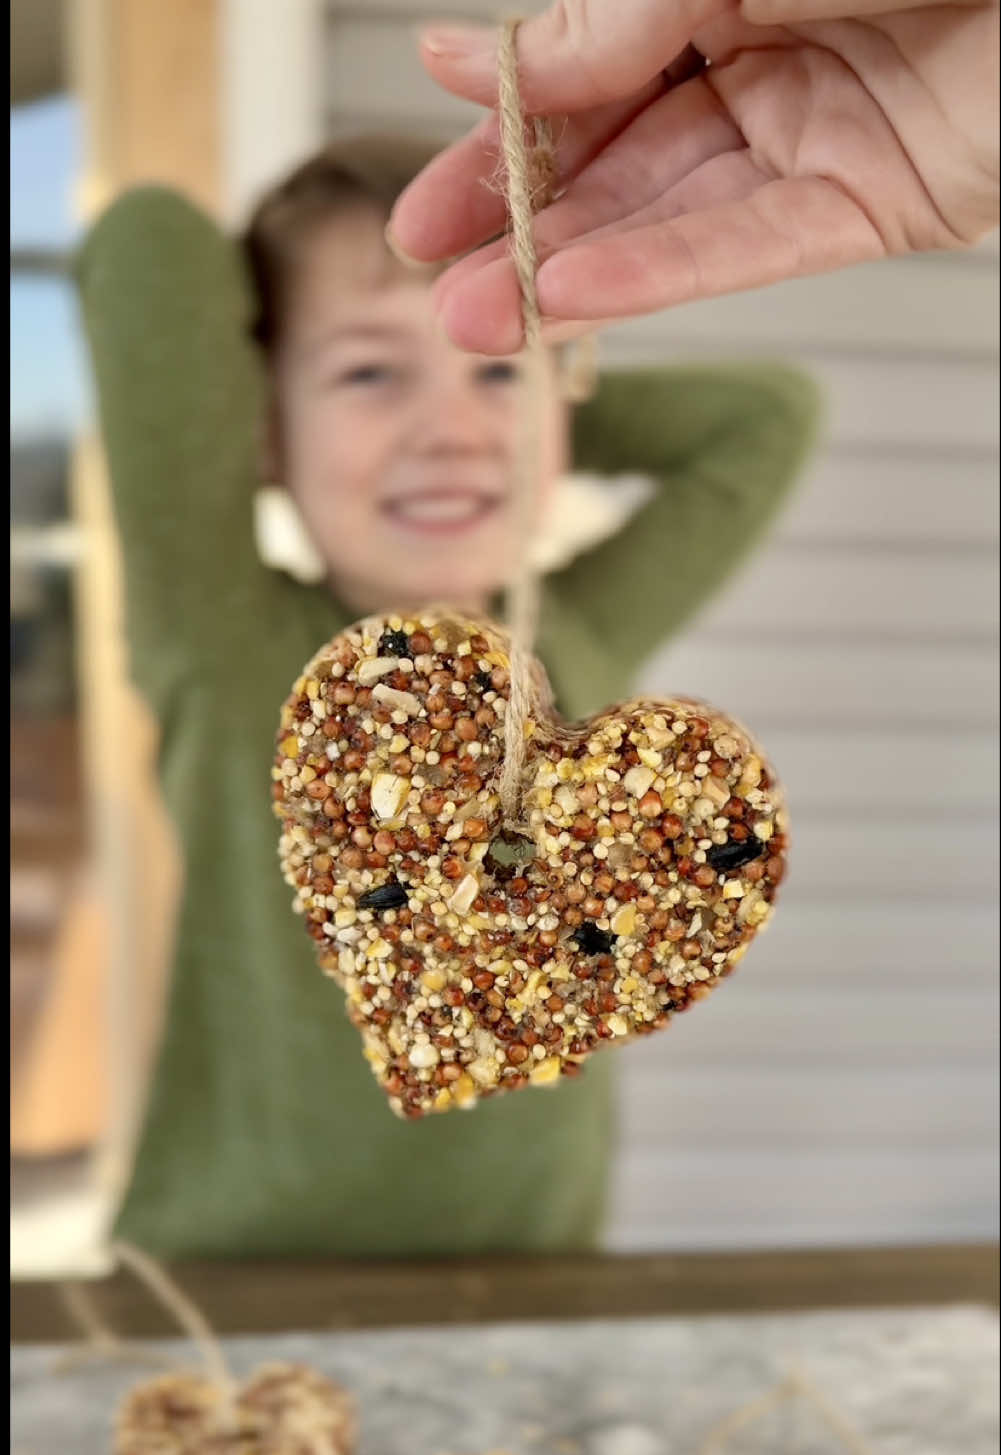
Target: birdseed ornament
282, 1409
476, 959
279, 1409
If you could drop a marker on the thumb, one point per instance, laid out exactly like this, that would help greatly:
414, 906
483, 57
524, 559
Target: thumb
575, 55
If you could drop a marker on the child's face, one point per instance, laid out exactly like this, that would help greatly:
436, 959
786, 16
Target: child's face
396, 446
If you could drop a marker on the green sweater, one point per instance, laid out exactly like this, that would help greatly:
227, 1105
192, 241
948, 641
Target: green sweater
264, 1132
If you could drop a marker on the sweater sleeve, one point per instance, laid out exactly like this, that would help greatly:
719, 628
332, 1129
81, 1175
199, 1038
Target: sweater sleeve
165, 306
723, 446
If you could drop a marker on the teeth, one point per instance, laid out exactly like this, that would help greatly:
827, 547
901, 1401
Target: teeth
446, 509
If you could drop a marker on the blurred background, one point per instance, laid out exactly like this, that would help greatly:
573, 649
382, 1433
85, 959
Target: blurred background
844, 1090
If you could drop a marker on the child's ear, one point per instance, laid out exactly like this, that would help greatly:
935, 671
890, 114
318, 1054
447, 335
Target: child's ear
578, 369
270, 452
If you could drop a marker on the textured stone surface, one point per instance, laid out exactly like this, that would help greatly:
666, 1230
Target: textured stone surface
912, 1382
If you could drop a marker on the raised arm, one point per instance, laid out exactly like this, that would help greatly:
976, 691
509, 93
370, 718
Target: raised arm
724, 446
165, 304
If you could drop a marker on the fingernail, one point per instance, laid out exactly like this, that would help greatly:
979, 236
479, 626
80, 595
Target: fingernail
458, 42
398, 253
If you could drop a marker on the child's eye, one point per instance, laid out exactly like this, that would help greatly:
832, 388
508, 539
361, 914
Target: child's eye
368, 374
501, 371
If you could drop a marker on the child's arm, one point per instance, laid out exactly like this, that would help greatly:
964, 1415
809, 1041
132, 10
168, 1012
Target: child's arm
724, 446
164, 305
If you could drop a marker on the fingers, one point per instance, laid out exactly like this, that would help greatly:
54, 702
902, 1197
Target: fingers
671, 139
787, 228
798, 12
575, 55
668, 139
783, 229
655, 169
458, 202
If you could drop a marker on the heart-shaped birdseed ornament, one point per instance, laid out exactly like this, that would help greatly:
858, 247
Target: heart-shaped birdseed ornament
476, 959
282, 1409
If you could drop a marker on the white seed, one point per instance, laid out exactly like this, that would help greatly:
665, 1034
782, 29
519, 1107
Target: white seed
389, 793
404, 702
424, 1056
751, 775
638, 780
567, 798
375, 667
717, 790
463, 895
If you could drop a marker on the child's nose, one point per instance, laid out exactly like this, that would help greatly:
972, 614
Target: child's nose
455, 418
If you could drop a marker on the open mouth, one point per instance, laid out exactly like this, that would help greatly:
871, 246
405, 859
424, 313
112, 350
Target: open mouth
442, 512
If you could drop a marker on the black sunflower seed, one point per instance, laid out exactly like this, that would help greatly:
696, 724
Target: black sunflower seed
483, 681
391, 895
735, 854
394, 644
591, 940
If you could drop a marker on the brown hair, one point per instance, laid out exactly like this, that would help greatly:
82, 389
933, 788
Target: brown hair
369, 171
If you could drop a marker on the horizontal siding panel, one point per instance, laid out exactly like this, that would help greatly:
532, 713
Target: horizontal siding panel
887, 772
374, 77
934, 599
811, 1024
823, 685
879, 404
758, 1199
878, 307
667, 1106
882, 941
871, 501
932, 404
954, 860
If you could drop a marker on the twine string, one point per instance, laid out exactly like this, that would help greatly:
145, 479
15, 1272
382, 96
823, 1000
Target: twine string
529, 174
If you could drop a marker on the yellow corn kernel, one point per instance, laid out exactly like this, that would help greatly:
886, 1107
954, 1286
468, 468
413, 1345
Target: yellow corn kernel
546, 1072
531, 986
624, 920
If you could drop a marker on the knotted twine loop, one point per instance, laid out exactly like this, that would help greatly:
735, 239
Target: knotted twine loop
795, 1385
188, 1317
102, 1342
307, 1425
529, 175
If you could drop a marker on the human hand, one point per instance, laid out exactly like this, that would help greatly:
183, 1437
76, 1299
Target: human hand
812, 140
